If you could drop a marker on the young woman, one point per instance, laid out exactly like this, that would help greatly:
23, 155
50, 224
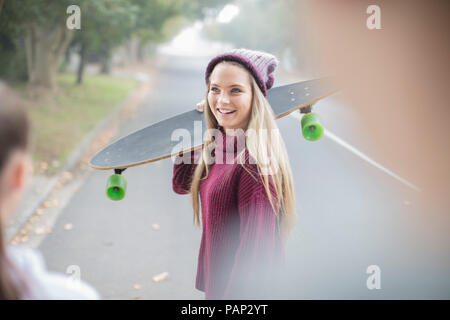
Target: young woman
22, 271
243, 180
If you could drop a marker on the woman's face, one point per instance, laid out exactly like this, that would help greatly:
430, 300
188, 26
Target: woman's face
230, 96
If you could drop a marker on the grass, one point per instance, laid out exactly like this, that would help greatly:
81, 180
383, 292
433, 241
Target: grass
60, 123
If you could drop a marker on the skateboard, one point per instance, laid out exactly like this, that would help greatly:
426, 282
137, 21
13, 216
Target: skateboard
161, 140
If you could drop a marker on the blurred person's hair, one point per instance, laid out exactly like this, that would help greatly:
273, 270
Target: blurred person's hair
261, 147
14, 135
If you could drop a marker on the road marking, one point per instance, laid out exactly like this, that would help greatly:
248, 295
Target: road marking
355, 151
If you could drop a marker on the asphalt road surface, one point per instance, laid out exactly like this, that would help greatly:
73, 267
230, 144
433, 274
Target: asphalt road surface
351, 216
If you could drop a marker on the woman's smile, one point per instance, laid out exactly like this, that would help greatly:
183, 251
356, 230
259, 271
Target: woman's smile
225, 112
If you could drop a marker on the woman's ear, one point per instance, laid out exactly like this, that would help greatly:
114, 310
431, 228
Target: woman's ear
13, 182
17, 171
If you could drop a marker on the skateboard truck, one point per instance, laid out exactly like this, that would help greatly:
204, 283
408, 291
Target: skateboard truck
312, 128
116, 185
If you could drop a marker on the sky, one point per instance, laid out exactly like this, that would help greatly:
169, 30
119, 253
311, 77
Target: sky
190, 42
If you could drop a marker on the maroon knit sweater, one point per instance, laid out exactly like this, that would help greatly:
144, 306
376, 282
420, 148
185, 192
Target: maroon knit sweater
241, 252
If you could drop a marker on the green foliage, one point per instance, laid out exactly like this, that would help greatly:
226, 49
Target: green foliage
152, 17
19, 14
109, 23
198, 9
59, 124
13, 61
158, 20
105, 24
16, 17
260, 25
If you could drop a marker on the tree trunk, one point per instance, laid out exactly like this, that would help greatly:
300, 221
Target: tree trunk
82, 63
44, 49
1, 6
105, 62
140, 51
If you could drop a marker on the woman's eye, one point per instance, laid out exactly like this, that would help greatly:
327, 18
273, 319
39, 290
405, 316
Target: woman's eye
214, 89
235, 90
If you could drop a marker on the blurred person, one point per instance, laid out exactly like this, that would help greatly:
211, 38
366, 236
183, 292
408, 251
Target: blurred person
395, 79
23, 274
247, 205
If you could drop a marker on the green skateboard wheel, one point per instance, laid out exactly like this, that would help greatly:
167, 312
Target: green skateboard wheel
312, 128
116, 187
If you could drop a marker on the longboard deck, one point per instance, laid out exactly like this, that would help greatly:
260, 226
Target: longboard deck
162, 139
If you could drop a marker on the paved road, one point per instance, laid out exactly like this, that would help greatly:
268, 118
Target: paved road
351, 216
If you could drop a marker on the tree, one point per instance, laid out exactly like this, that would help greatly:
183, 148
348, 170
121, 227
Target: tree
106, 24
159, 20
109, 23
42, 25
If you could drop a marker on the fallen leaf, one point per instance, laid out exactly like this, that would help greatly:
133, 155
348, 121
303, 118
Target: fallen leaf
137, 286
67, 175
42, 230
47, 204
27, 228
160, 277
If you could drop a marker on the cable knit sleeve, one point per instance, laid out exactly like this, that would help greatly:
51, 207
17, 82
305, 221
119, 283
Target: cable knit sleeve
182, 172
260, 251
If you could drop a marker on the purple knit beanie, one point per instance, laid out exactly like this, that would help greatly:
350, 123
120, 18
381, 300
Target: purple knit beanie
261, 65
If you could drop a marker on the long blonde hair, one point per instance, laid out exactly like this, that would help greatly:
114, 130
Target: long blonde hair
268, 152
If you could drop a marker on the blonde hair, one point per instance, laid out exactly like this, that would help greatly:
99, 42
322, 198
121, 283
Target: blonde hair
267, 151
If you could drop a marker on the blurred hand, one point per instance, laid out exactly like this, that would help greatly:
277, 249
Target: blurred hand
201, 105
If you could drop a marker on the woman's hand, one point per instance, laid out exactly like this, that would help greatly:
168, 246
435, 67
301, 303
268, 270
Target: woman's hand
201, 105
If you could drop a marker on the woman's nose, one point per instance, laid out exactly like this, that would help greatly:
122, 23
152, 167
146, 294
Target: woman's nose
223, 98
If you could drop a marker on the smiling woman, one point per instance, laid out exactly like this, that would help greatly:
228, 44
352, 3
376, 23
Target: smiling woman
247, 205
